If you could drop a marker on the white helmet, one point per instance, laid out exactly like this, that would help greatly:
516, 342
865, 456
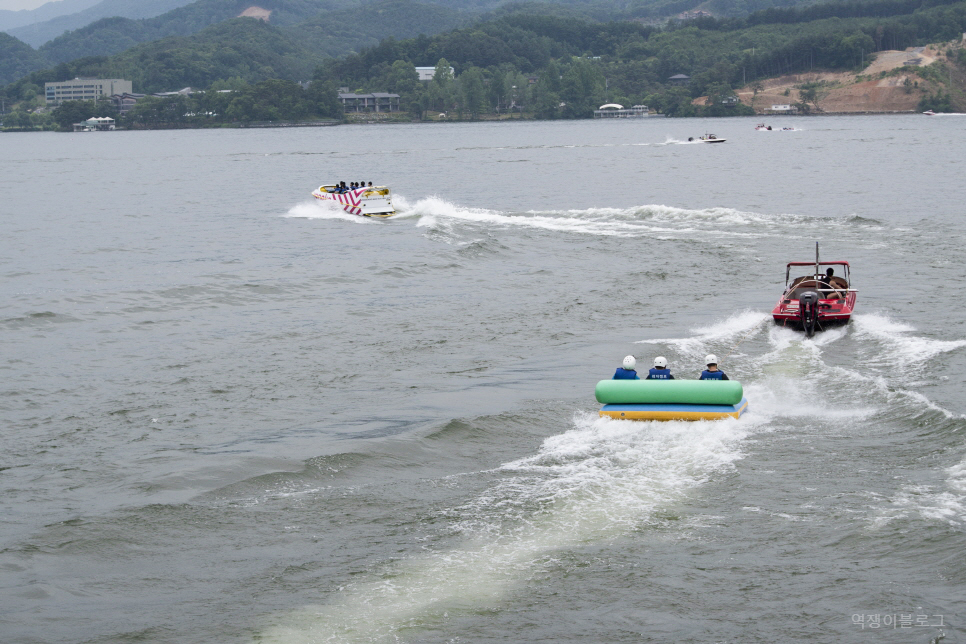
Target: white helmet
711, 359
630, 363
660, 362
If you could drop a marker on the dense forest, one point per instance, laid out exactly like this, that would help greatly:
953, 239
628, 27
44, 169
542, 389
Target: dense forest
38, 33
360, 23
308, 21
544, 66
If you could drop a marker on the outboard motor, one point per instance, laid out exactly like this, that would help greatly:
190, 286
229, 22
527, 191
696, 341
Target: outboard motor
808, 312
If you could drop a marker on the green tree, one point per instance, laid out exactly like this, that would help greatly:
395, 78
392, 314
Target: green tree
70, 112
676, 102
807, 95
403, 79
325, 98
496, 89
441, 87
17, 119
582, 89
472, 92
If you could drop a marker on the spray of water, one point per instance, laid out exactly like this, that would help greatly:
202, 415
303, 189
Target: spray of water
319, 209
602, 479
597, 481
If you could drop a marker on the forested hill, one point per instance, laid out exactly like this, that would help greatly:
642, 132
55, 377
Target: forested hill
13, 19
38, 33
337, 33
360, 22
329, 33
548, 60
113, 35
761, 45
17, 59
243, 48
332, 32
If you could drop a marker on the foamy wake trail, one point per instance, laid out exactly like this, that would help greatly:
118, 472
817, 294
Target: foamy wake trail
598, 481
795, 356
646, 220
670, 140
717, 337
902, 347
318, 209
945, 505
436, 212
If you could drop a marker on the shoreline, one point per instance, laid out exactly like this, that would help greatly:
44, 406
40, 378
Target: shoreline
269, 125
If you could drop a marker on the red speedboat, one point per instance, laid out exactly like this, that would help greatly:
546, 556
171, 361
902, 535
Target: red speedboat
818, 299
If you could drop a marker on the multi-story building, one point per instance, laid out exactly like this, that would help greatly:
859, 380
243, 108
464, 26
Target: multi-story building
124, 102
375, 102
85, 89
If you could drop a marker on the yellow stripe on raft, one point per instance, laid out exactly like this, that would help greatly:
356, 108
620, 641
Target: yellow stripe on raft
674, 415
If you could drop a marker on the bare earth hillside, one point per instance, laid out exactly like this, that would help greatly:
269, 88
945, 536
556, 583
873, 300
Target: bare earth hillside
890, 83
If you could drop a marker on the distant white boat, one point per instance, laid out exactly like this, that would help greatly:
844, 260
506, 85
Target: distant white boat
708, 138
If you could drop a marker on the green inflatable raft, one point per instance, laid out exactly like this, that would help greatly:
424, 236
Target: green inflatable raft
671, 399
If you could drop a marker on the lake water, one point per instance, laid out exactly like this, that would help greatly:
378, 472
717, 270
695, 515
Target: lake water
231, 414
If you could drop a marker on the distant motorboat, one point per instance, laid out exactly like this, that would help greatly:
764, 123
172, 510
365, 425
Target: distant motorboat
929, 113
365, 201
707, 138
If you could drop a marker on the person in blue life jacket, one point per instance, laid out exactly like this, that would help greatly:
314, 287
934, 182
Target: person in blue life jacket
627, 372
660, 370
712, 372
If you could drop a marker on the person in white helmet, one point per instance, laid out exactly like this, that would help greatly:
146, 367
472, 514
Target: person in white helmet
627, 370
660, 370
712, 372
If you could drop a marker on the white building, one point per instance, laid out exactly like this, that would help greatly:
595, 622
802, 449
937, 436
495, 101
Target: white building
85, 89
618, 111
96, 124
427, 73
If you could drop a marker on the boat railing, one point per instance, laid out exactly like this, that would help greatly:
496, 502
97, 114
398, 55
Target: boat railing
826, 290
788, 300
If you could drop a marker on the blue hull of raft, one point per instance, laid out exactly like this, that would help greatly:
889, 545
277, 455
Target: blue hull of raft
673, 411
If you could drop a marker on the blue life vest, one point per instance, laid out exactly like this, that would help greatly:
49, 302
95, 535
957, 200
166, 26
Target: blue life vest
625, 374
659, 374
712, 375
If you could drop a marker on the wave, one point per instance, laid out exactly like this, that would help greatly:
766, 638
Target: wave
883, 356
717, 336
41, 319
931, 504
603, 479
318, 209
900, 348
439, 214
600, 480
450, 221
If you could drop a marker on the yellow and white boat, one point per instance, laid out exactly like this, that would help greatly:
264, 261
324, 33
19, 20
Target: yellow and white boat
367, 201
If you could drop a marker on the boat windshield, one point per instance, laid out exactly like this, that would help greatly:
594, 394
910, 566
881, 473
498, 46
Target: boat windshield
828, 287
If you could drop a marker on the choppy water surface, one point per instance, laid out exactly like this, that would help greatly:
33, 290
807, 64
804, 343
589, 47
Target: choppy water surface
231, 414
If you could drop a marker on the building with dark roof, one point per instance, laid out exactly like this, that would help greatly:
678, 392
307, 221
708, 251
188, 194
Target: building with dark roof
375, 102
